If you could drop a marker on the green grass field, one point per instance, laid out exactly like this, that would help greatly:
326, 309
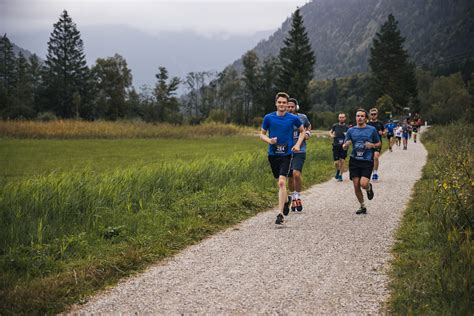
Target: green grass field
78, 215
25, 158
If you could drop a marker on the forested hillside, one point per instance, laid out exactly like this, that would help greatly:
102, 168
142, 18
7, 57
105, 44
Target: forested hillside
341, 32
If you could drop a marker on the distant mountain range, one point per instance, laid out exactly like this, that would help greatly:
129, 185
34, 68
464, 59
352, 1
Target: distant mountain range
341, 32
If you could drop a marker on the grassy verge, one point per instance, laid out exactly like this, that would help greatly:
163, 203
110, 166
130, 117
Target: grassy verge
434, 256
67, 234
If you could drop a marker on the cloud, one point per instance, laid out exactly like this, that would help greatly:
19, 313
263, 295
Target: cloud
204, 17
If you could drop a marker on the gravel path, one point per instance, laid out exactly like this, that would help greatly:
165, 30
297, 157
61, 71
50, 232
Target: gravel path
325, 260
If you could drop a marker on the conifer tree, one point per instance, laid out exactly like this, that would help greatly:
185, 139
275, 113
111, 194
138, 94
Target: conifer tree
7, 72
67, 74
392, 73
297, 62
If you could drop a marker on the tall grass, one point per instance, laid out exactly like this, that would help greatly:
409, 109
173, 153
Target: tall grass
433, 269
75, 129
65, 235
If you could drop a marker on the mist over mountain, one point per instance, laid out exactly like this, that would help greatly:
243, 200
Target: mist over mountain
341, 32
179, 52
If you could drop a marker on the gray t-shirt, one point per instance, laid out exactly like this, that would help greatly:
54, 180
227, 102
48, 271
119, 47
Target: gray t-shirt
304, 120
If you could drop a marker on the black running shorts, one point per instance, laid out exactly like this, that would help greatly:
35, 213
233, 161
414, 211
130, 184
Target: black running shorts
338, 152
280, 165
360, 168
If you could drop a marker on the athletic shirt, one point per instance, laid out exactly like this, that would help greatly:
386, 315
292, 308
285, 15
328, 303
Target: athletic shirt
359, 136
340, 133
281, 127
304, 120
378, 126
398, 131
390, 127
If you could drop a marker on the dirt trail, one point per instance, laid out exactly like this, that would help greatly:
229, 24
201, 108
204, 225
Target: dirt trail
325, 260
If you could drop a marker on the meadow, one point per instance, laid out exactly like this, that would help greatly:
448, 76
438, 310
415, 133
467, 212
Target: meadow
79, 214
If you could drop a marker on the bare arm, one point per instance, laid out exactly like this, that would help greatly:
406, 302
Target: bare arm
266, 139
296, 148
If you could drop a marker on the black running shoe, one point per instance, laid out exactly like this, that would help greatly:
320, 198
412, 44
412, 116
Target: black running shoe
362, 210
286, 207
279, 219
299, 205
293, 206
370, 192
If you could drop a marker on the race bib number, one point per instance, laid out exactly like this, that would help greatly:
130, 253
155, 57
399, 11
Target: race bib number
340, 141
359, 148
280, 148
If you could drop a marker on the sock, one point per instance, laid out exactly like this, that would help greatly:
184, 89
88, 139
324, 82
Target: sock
298, 195
375, 171
293, 195
338, 172
362, 205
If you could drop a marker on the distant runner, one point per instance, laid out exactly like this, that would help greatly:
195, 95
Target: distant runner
390, 128
380, 130
295, 181
364, 138
405, 135
280, 125
338, 133
398, 134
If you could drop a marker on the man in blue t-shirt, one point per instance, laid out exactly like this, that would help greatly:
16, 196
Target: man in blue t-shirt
390, 127
280, 125
364, 138
296, 168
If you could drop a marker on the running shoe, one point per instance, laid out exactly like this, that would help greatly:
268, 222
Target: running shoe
337, 175
375, 177
299, 205
286, 207
340, 178
293, 205
279, 219
370, 192
362, 210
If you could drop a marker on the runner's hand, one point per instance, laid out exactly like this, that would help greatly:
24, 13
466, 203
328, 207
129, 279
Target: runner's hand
295, 149
346, 144
273, 140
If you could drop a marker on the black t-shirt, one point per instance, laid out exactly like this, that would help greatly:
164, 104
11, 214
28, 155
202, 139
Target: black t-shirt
378, 126
340, 132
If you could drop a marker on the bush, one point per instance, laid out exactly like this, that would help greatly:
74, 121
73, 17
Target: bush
46, 116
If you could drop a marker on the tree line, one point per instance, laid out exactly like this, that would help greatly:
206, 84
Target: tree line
63, 86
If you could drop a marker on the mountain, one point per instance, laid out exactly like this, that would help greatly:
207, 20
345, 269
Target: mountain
179, 52
17, 49
341, 32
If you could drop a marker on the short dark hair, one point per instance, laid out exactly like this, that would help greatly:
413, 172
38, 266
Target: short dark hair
293, 100
363, 110
282, 95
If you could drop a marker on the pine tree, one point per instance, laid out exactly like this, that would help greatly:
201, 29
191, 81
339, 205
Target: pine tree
7, 72
392, 73
297, 62
67, 73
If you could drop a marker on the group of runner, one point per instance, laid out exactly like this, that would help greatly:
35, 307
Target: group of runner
288, 131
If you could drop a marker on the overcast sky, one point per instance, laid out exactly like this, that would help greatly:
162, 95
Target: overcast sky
207, 17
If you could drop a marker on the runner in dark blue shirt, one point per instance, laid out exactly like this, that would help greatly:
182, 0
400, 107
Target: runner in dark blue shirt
390, 128
364, 139
338, 133
280, 126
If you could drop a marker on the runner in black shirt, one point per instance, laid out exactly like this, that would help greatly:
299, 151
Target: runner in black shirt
373, 121
338, 133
